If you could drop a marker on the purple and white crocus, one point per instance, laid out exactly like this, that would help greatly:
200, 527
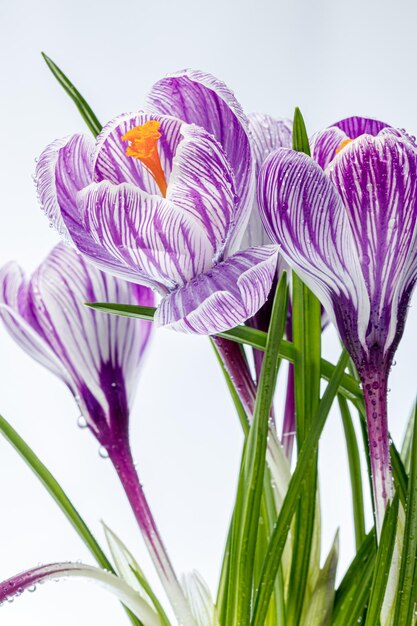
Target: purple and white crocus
162, 198
97, 356
350, 232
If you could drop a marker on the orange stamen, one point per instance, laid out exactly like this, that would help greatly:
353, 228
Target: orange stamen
344, 143
143, 146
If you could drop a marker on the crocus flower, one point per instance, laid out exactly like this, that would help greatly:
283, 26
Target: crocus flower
162, 198
97, 356
350, 233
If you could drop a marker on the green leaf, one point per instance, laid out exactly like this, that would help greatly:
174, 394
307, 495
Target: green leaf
407, 584
318, 612
83, 107
306, 330
128, 568
383, 563
407, 442
251, 479
355, 471
60, 497
353, 592
241, 334
279, 535
299, 134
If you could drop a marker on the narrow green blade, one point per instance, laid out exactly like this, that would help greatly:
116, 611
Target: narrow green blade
241, 334
354, 470
60, 497
353, 592
407, 583
83, 107
383, 563
279, 535
251, 479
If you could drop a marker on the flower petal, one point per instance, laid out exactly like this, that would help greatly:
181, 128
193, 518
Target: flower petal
303, 213
325, 143
149, 234
225, 296
355, 126
199, 98
15, 316
101, 354
129, 597
202, 184
268, 134
63, 169
376, 178
111, 162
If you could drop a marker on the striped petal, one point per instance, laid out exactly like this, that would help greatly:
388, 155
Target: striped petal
17, 319
355, 126
376, 178
64, 168
304, 214
98, 356
227, 295
15, 586
267, 134
149, 234
111, 162
325, 144
202, 184
199, 98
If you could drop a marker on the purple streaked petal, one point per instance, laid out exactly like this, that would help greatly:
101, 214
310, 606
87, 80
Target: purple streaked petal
225, 296
355, 126
202, 184
101, 354
149, 234
304, 214
129, 597
13, 312
111, 162
199, 98
325, 143
268, 134
376, 178
63, 169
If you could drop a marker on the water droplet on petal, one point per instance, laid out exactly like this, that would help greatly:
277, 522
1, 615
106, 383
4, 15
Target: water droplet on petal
102, 451
82, 422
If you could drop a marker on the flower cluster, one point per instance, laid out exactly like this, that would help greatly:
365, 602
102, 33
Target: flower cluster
194, 206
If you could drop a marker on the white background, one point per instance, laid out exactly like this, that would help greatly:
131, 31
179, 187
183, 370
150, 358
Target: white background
330, 58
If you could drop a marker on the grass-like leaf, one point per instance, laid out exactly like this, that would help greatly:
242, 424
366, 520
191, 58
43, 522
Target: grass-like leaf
82, 105
60, 497
306, 333
251, 480
279, 535
383, 563
353, 592
354, 470
242, 334
407, 583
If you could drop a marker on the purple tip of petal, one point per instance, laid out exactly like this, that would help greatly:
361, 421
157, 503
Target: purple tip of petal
15, 586
356, 126
226, 296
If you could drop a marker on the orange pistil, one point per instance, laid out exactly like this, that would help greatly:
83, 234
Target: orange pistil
143, 146
344, 143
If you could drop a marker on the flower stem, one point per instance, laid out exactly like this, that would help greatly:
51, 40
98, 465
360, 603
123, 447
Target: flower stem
121, 457
375, 393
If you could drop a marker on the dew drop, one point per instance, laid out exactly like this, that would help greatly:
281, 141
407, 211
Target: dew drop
102, 451
81, 422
